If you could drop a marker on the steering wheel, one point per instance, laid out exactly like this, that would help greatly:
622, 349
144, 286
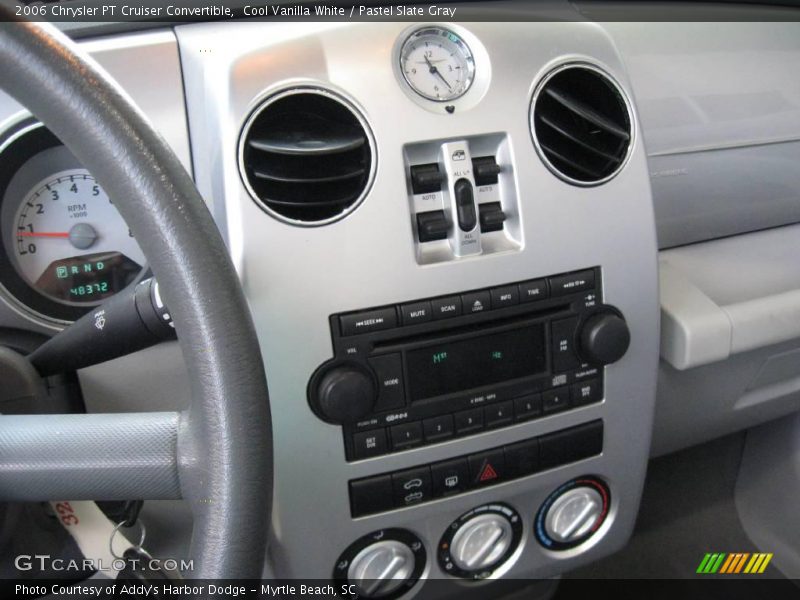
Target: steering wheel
217, 454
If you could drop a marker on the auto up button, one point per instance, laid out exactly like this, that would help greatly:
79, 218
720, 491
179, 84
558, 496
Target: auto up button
411, 486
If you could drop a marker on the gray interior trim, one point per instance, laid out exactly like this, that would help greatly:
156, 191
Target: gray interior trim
768, 488
729, 296
89, 457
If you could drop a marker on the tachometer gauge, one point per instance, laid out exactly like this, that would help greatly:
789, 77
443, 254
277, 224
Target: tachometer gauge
437, 64
67, 241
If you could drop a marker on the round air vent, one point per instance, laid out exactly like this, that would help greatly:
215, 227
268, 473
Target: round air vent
306, 156
581, 124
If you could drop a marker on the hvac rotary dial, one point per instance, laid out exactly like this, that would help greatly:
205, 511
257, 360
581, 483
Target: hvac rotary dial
572, 513
437, 64
480, 541
384, 564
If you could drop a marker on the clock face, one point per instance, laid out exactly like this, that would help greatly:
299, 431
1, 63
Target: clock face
437, 64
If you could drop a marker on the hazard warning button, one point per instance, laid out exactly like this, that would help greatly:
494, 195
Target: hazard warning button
487, 468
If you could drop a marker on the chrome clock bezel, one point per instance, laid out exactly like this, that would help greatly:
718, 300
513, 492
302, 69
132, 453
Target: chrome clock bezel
452, 37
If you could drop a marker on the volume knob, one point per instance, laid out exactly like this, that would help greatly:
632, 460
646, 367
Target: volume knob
604, 338
344, 394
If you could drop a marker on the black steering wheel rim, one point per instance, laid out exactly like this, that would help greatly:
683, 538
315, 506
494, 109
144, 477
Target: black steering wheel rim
222, 444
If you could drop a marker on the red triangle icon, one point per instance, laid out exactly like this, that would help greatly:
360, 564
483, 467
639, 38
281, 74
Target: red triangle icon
488, 473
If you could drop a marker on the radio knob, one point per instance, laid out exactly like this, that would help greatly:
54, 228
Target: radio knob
604, 338
382, 568
345, 393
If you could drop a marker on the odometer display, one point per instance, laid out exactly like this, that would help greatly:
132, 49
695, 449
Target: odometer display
70, 243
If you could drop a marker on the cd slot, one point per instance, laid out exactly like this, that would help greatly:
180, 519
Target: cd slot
458, 332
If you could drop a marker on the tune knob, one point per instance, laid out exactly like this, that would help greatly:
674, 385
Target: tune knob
573, 513
604, 337
384, 564
480, 541
343, 393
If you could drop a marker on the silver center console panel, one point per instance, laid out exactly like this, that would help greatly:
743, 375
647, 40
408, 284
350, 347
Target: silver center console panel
297, 277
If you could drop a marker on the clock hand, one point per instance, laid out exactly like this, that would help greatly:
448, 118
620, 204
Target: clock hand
436, 72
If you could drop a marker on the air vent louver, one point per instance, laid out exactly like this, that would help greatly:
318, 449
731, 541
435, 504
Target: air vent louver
581, 125
306, 156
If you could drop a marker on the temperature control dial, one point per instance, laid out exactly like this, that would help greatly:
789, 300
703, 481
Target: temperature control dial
384, 564
480, 541
572, 514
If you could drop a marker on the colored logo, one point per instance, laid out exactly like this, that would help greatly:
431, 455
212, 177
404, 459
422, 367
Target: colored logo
734, 563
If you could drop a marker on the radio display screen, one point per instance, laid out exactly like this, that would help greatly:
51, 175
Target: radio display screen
452, 367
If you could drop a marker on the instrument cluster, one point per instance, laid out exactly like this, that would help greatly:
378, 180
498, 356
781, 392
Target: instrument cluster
65, 247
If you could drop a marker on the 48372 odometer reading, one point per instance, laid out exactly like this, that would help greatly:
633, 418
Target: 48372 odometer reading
70, 242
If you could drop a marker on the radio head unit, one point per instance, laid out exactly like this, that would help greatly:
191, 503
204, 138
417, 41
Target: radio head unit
429, 370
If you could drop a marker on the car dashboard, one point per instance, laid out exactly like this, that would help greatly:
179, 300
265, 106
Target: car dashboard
448, 235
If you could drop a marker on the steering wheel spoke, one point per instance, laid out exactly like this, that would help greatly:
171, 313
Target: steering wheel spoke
90, 456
